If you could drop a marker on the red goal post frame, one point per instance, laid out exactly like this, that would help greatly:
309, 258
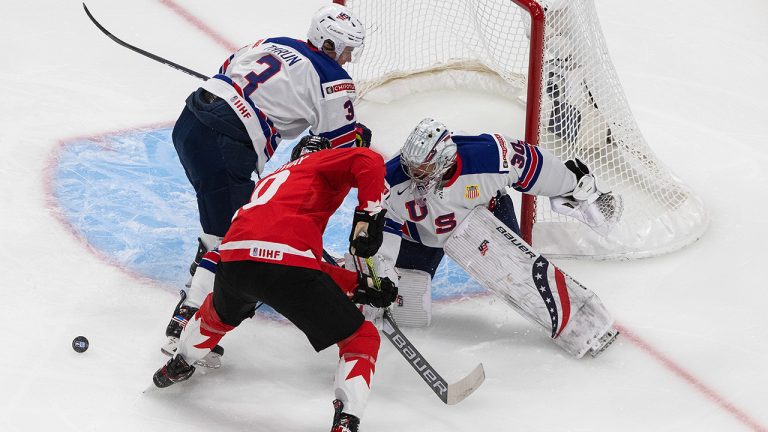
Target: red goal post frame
533, 101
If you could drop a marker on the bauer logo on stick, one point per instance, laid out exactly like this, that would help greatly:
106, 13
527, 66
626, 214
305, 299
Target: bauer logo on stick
413, 356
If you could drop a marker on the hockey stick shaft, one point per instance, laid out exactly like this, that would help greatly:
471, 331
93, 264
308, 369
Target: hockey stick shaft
403, 345
450, 394
143, 52
372, 270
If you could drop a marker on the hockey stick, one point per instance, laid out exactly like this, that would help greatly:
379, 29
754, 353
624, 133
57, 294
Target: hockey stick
141, 51
450, 394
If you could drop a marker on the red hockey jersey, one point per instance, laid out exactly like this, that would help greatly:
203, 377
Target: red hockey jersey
289, 209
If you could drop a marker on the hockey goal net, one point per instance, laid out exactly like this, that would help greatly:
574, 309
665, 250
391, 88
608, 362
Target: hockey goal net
554, 53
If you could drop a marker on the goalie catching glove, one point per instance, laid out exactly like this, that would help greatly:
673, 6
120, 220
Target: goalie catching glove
367, 233
368, 293
599, 210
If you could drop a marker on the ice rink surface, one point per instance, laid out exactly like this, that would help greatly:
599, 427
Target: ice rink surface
693, 352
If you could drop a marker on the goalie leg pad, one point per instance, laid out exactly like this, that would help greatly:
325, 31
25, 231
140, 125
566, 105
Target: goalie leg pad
413, 307
573, 316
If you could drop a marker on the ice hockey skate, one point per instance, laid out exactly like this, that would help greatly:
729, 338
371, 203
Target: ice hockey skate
181, 316
176, 370
343, 422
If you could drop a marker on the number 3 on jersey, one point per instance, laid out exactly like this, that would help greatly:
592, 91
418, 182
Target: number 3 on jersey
273, 66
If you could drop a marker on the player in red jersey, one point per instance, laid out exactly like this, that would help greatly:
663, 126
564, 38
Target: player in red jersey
272, 254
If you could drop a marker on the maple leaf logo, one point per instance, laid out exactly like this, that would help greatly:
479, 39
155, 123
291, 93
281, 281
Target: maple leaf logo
212, 336
362, 368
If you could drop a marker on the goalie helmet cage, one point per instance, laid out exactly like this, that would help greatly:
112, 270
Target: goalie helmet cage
552, 52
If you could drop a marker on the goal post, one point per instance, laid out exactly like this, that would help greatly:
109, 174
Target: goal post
552, 56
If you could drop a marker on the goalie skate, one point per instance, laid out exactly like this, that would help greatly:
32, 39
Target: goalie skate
603, 342
490, 252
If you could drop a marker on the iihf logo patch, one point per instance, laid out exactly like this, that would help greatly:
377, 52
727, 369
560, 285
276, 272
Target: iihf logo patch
269, 254
483, 248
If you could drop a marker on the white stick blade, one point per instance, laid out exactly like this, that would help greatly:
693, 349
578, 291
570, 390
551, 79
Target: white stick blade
459, 390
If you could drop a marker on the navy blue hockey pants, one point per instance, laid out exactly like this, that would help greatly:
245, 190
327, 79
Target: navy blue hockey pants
218, 158
416, 256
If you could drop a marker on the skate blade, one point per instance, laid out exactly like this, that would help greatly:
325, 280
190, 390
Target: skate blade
152, 388
210, 361
170, 346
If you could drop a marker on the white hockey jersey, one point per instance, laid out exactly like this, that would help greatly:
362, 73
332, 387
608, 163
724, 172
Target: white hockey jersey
485, 164
281, 86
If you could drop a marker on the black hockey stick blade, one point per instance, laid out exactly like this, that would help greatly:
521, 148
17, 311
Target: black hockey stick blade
451, 394
141, 51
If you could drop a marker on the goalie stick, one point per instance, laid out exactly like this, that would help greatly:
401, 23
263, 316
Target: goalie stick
141, 51
450, 394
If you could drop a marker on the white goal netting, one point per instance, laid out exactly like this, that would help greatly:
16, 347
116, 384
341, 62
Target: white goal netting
575, 106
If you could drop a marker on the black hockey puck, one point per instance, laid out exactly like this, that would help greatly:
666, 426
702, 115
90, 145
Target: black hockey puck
80, 344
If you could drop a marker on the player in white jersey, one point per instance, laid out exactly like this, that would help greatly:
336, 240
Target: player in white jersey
270, 90
438, 179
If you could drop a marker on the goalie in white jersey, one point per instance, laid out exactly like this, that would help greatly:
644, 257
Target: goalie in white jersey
438, 179
270, 90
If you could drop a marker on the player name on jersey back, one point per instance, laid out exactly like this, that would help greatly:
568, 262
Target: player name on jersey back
290, 56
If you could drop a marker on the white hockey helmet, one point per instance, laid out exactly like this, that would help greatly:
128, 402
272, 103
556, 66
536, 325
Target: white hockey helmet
336, 23
428, 153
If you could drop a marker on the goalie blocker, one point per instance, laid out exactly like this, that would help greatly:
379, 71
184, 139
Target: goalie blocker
490, 252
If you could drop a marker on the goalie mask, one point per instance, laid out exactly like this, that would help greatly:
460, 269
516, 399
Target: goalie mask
309, 144
428, 153
335, 23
